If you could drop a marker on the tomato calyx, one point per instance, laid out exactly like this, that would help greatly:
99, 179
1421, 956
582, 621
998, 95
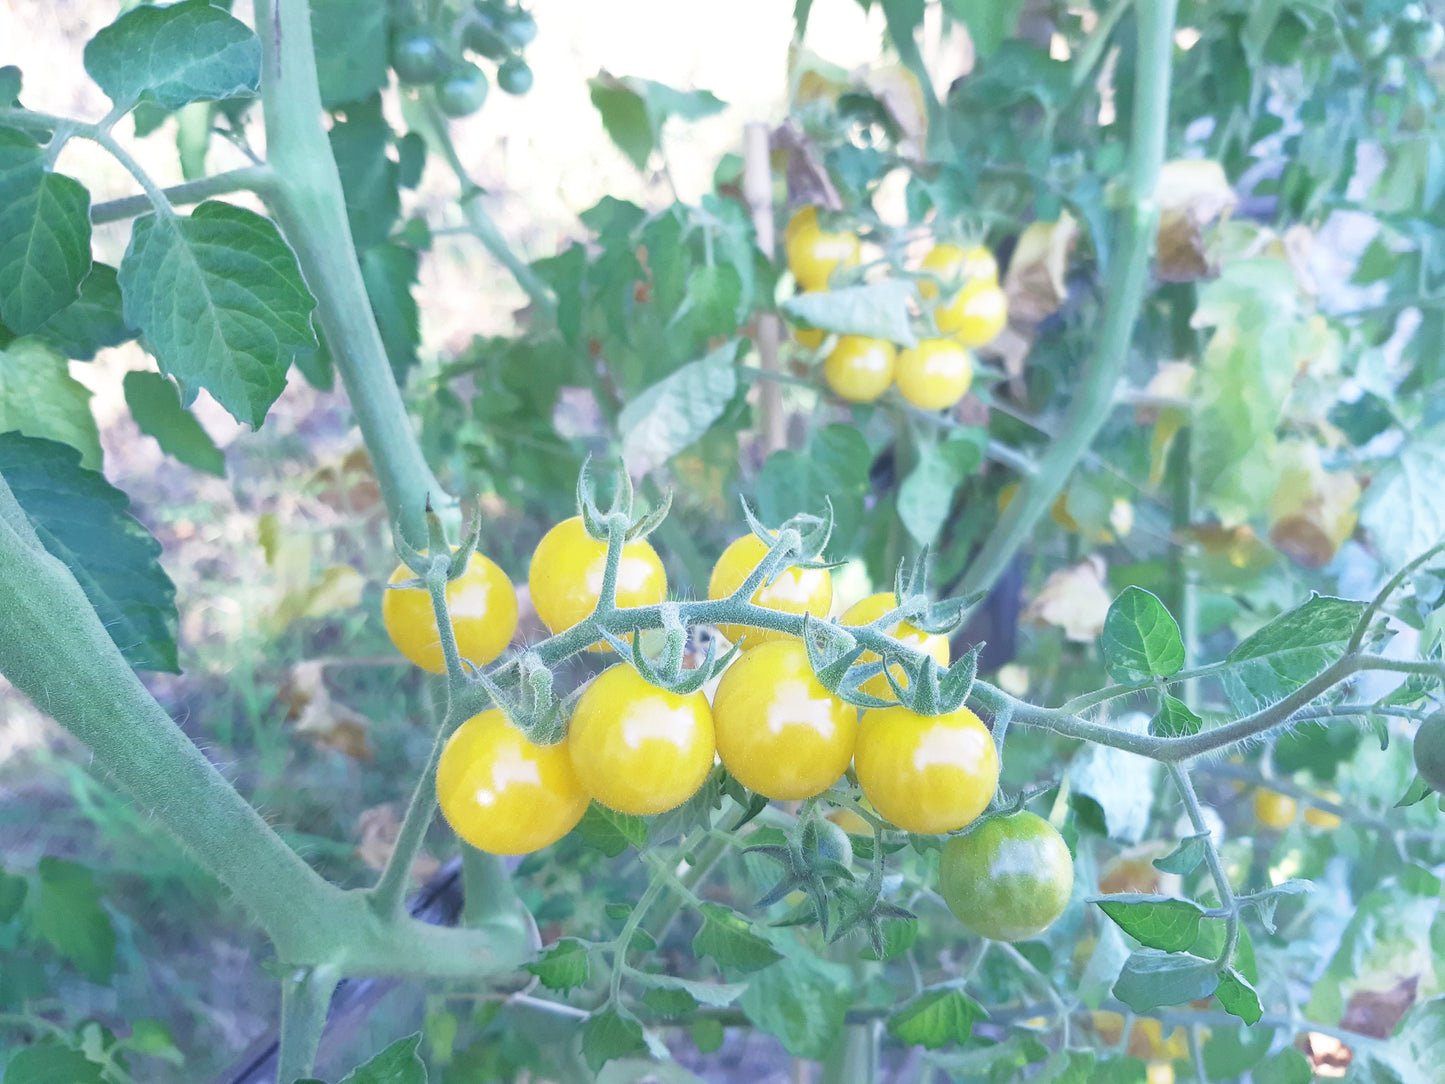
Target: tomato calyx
668, 672
523, 691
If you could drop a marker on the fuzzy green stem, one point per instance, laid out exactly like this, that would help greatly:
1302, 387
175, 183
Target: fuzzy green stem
305, 999
257, 179
1227, 903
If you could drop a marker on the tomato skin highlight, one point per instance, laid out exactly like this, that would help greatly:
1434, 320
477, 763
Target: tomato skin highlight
565, 576
779, 732
926, 774
935, 374
976, 315
795, 591
869, 610
1009, 879
639, 749
503, 794
481, 603
860, 369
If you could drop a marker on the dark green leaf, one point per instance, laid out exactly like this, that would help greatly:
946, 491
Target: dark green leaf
1123, 1070
1289, 651
607, 1035
714, 994
52, 1065
1120, 783
12, 894
399, 1063
186, 52
665, 1002
82, 520
411, 160
802, 1000
350, 40
1238, 997
1141, 638
611, 832
1185, 858
155, 404
876, 309
10, 81
68, 916
634, 110
44, 236
1152, 980
673, 413
730, 941
936, 1018
390, 271
369, 177
39, 398
1158, 922
564, 966
222, 303
1289, 1066
92, 321
707, 1034
925, 497
989, 22
1175, 719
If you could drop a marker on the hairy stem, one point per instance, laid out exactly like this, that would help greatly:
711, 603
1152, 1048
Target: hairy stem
305, 999
258, 179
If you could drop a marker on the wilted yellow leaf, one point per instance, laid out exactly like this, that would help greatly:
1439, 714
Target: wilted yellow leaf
1073, 599
379, 827
1192, 193
1313, 510
1036, 283
321, 719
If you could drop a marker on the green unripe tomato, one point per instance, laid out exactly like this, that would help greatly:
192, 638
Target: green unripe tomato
417, 56
1430, 751
834, 843
482, 38
1009, 878
514, 76
519, 29
463, 90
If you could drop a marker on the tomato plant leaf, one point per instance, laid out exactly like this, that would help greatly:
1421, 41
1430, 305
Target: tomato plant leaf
90, 322
83, 521
728, 939
1141, 639
1295, 647
1417, 792
44, 235
1288, 1066
1404, 508
350, 42
68, 916
155, 404
715, 994
52, 1065
1185, 858
877, 309
1238, 997
673, 413
186, 52
1067, 1067
565, 965
1123, 1070
801, 1000
370, 178
39, 398
936, 1018
834, 466
1152, 979
1228, 1052
925, 497
611, 832
1121, 784
609, 1034
12, 894
221, 302
634, 110
707, 1034
399, 1063
1159, 922
390, 272
1175, 719
990, 22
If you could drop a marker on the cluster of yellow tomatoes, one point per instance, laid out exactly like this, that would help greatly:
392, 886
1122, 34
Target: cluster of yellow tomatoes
640, 749
936, 373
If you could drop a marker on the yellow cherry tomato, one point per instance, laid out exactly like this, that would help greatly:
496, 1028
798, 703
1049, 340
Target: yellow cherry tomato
860, 369
814, 253
637, 748
503, 794
871, 609
779, 732
795, 591
1273, 809
806, 215
482, 606
935, 374
976, 314
1322, 818
809, 338
955, 263
566, 576
926, 774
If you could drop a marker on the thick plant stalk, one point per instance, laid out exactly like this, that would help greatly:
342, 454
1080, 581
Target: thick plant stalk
1138, 223
305, 999
758, 188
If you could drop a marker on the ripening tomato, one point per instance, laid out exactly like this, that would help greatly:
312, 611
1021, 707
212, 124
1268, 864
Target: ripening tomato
814, 253
779, 732
955, 263
637, 748
860, 369
871, 609
482, 606
935, 374
566, 576
1009, 878
926, 773
976, 315
810, 338
503, 794
1430, 751
462, 90
1273, 809
1322, 818
795, 591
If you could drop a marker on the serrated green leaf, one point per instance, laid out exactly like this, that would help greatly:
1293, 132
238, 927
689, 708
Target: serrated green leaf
715, 994
936, 1018
802, 1000
68, 916
399, 1063
1175, 719
564, 966
1238, 997
92, 321
1185, 858
222, 303
82, 520
611, 832
607, 1035
1152, 980
673, 413
925, 496
1404, 507
155, 404
44, 236
880, 310
1158, 922
52, 1065
39, 398
181, 53
1141, 639
369, 177
350, 41
1293, 648
730, 941
390, 271
12, 894
665, 1002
